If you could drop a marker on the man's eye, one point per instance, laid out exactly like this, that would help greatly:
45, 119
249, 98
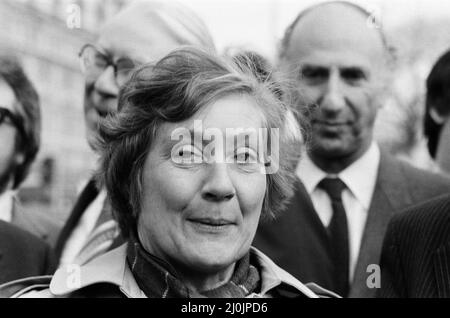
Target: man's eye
353, 75
124, 72
314, 74
100, 61
125, 66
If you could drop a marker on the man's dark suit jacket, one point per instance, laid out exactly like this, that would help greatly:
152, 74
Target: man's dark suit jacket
36, 222
415, 260
87, 196
297, 240
23, 254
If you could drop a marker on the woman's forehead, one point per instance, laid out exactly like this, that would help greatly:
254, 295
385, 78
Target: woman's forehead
231, 112
235, 111
227, 117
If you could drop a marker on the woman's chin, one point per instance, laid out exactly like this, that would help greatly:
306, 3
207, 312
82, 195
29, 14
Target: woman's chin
211, 257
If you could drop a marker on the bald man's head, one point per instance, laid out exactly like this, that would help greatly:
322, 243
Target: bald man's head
147, 30
335, 22
340, 63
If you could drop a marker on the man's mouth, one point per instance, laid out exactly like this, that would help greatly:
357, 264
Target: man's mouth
101, 114
330, 123
93, 115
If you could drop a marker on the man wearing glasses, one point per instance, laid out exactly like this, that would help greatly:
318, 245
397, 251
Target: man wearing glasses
20, 129
21, 254
143, 32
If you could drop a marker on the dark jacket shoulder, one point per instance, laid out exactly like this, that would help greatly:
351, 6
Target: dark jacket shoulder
415, 258
22, 254
430, 216
404, 185
37, 223
426, 182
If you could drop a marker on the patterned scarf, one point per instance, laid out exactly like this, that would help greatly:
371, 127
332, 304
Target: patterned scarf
158, 279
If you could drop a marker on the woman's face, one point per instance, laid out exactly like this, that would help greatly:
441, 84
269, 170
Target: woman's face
197, 213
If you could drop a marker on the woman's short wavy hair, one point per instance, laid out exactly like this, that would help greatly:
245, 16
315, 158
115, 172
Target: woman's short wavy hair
173, 90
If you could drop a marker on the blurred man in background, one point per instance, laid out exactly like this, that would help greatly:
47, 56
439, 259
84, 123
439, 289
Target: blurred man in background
143, 32
333, 229
21, 253
20, 129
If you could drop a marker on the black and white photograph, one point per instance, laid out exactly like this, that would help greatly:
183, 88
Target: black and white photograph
227, 149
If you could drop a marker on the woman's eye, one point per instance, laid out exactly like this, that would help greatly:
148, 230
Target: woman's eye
245, 156
189, 154
242, 157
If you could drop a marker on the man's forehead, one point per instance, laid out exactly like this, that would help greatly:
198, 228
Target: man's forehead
345, 58
136, 39
149, 30
335, 27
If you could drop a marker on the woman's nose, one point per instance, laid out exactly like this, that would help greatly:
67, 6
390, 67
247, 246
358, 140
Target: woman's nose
218, 186
106, 84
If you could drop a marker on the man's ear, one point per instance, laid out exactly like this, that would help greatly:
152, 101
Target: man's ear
384, 91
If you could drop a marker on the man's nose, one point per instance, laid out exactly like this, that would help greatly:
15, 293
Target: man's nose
333, 97
218, 186
106, 83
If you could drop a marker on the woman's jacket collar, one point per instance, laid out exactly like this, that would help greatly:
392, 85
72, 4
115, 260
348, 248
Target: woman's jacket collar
112, 268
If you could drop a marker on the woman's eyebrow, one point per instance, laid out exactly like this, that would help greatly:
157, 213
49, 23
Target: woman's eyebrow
168, 145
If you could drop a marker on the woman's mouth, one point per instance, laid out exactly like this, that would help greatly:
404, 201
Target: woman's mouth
211, 224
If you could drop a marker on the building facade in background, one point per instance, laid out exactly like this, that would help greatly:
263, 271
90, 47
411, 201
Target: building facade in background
46, 35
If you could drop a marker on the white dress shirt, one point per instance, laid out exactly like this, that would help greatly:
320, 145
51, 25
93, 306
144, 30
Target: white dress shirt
360, 179
6, 205
81, 232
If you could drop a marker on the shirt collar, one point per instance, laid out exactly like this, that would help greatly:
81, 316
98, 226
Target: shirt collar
6, 205
360, 177
309, 173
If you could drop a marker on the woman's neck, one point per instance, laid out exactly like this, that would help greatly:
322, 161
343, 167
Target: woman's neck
198, 281
194, 278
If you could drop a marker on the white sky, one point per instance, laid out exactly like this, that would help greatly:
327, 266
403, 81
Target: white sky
259, 24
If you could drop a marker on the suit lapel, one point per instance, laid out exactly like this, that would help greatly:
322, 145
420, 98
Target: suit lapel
441, 265
388, 197
89, 193
297, 241
304, 201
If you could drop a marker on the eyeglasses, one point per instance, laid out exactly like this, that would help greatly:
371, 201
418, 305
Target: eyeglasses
95, 61
6, 114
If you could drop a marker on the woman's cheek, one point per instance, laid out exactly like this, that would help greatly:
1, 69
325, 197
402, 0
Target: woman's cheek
251, 190
177, 186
